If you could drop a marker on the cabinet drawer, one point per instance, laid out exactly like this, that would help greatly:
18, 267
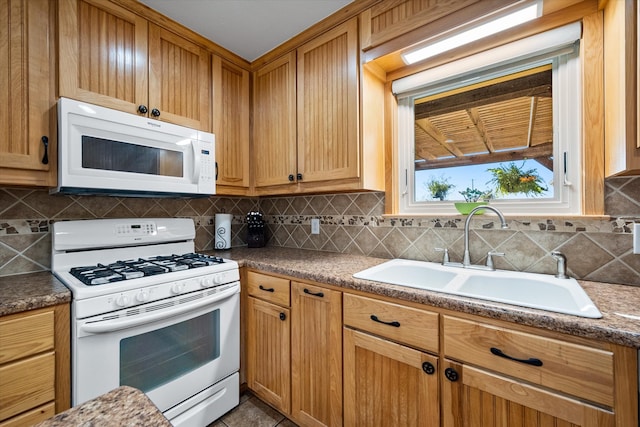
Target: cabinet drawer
406, 325
26, 335
26, 384
268, 288
571, 368
29, 418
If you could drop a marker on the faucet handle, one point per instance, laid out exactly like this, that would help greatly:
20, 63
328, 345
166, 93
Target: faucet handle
490, 256
445, 257
561, 261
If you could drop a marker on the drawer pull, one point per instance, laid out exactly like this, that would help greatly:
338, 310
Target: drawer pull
262, 288
531, 361
394, 323
318, 294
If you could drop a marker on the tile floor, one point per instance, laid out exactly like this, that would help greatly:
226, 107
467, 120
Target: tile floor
254, 413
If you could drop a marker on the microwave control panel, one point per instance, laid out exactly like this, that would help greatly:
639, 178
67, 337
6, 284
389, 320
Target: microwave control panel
207, 176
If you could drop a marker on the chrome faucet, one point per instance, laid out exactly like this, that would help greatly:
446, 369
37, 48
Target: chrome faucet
466, 260
562, 264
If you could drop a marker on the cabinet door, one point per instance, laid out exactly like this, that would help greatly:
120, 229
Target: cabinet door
274, 122
328, 145
103, 54
179, 86
478, 398
316, 355
388, 384
26, 99
268, 353
231, 123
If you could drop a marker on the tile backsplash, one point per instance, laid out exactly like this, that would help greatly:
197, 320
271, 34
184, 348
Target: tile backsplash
26, 216
596, 249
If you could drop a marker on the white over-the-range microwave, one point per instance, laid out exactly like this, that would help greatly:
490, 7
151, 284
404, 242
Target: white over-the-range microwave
109, 152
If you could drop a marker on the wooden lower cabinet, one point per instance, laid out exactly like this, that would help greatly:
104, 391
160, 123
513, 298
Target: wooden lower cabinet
34, 365
474, 397
268, 353
329, 358
316, 355
388, 384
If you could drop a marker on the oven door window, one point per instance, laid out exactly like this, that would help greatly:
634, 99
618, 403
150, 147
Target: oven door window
157, 357
106, 154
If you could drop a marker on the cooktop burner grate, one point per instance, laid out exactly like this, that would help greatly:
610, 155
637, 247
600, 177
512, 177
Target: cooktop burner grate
132, 269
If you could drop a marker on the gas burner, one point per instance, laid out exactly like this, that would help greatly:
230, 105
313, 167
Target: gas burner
132, 269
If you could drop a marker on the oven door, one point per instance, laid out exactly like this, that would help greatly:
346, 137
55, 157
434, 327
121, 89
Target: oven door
170, 349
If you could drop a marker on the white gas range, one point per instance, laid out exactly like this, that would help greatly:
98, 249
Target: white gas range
149, 312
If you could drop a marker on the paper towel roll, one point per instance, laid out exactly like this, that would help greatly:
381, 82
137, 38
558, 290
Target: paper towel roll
223, 231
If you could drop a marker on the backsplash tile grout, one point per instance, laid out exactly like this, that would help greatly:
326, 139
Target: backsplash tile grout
597, 249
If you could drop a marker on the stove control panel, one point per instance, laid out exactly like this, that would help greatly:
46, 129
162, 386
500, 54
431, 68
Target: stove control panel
141, 228
142, 295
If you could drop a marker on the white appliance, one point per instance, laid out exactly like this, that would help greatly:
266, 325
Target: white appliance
104, 151
150, 313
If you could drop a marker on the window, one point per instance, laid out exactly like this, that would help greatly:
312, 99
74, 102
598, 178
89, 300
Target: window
503, 124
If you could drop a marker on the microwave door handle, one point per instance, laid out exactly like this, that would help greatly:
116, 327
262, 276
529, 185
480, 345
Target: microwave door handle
117, 325
196, 162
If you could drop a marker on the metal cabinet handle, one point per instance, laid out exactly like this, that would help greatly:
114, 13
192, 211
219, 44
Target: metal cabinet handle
283, 316
428, 368
299, 177
155, 112
142, 109
394, 323
45, 142
291, 178
315, 294
531, 361
451, 374
262, 288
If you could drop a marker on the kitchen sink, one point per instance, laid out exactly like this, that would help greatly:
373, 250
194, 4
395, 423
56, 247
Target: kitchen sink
532, 290
416, 274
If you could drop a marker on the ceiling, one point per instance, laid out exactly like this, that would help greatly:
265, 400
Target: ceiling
248, 28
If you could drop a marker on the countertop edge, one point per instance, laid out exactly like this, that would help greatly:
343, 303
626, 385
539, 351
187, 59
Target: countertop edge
620, 323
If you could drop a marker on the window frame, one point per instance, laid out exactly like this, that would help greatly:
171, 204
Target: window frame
567, 105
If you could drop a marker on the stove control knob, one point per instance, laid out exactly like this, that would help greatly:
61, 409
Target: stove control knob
122, 301
219, 279
177, 288
143, 296
207, 282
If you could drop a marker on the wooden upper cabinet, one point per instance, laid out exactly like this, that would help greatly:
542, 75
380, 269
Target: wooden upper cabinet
231, 125
103, 54
327, 90
274, 122
179, 79
390, 19
112, 57
622, 142
27, 113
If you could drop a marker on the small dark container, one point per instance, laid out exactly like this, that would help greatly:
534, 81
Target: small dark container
256, 229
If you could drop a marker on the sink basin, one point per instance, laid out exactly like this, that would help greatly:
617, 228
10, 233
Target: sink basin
416, 274
532, 290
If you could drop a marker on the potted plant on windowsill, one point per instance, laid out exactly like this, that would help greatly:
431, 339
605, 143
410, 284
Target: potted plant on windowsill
439, 187
472, 199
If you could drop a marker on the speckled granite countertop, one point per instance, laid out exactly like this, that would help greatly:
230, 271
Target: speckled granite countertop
619, 304
30, 291
123, 406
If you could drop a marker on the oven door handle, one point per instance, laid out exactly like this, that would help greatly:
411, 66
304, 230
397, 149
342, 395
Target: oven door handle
106, 326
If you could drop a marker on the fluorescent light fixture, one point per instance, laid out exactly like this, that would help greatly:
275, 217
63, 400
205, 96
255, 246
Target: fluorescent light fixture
488, 28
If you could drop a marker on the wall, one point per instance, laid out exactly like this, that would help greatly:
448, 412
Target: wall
597, 249
26, 217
